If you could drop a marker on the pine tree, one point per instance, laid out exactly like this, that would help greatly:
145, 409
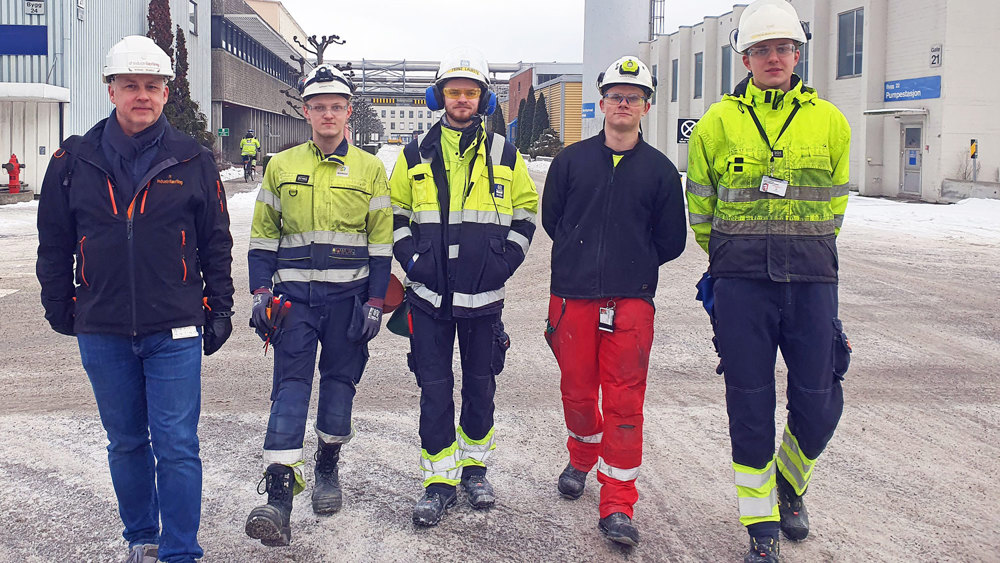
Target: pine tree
364, 121
181, 110
499, 124
548, 144
158, 22
541, 121
525, 121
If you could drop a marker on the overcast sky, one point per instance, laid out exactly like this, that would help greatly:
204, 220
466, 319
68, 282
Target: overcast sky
423, 29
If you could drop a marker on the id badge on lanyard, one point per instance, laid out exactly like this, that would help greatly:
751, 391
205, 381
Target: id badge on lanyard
768, 183
606, 318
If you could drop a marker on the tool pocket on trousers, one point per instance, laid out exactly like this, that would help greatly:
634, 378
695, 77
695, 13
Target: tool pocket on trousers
501, 343
411, 363
357, 321
841, 350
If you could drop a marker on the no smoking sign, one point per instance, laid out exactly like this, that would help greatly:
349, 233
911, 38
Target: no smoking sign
684, 129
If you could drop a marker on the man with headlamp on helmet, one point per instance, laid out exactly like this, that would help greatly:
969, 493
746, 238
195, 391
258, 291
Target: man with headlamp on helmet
464, 214
767, 190
614, 208
321, 239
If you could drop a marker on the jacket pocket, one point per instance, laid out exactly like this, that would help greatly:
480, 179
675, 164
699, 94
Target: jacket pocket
424, 268
184, 265
423, 191
501, 343
498, 196
495, 269
841, 350
81, 263
743, 171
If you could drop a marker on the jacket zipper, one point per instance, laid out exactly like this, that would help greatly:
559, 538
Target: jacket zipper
83, 263
184, 255
604, 221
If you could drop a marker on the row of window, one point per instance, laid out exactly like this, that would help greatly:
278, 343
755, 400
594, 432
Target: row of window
849, 48
225, 35
420, 113
411, 126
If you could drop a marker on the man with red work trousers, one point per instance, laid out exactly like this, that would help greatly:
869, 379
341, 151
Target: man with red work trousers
614, 209
138, 206
321, 239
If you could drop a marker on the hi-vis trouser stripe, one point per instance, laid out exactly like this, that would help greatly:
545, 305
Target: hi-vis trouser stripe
474, 452
330, 276
617, 473
592, 439
442, 467
758, 497
793, 464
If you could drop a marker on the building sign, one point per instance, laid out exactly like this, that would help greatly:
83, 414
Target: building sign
684, 129
223, 132
24, 40
925, 88
936, 52
34, 7
588, 111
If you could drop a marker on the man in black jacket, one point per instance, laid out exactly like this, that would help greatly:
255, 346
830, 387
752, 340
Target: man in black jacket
614, 208
138, 206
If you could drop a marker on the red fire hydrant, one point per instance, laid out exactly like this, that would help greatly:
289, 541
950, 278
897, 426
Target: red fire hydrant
13, 168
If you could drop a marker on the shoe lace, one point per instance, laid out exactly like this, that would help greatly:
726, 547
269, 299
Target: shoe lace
280, 491
326, 461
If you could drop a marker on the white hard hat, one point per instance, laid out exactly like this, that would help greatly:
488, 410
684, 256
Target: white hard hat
627, 70
464, 62
768, 19
137, 54
325, 79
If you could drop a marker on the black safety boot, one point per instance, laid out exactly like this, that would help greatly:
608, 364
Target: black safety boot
269, 522
571, 482
436, 500
792, 509
762, 550
618, 527
480, 491
327, 497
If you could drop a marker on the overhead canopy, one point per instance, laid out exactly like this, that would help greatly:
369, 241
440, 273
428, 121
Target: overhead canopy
896, 111
32, 92
255, 27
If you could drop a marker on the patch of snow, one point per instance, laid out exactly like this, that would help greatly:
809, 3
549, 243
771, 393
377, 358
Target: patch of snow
18, 218
540, 166
972, 220
231, 173
388, 155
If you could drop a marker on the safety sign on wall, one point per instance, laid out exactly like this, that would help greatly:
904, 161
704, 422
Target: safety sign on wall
588, 111
34, 7
223, 132
684, 129
924, 88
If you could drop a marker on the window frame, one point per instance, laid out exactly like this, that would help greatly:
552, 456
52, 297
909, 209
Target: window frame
699, 75
726, 70
856, 55
674, 78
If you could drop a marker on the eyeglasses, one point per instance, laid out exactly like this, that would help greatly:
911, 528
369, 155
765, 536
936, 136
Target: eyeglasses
320, 110
633, 99
456, 93
783, 50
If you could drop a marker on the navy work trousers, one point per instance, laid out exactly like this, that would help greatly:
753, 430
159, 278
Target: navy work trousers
753, 319
431, 346
341, 363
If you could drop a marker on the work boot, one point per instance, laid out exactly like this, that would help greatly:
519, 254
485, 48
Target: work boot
618, 527
269, 522
327, 497
762, 550
571, 482
143, 553
436, 500
478, 488
792, 509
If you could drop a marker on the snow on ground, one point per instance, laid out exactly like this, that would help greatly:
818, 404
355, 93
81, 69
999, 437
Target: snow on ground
388, 155
231, 173
539, 166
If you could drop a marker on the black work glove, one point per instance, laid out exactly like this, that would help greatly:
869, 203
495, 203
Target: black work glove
61, 318
218, 327
262, 299
371, 315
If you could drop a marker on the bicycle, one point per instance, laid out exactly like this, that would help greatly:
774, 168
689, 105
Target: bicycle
249, 171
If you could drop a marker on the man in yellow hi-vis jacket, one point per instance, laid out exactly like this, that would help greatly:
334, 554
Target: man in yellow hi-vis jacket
767, 190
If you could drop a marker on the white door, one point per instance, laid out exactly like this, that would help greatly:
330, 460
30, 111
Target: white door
911, 139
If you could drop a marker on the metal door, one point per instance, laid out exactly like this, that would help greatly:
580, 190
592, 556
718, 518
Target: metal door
912, 158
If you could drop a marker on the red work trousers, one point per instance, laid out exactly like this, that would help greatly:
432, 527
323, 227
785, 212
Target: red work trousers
596, 363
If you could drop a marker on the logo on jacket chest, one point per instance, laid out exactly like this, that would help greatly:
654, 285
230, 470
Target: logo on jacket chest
343, 171
302, 178
498, 191
170, 180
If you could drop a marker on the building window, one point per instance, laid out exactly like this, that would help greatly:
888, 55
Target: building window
674, 76
850, 31
802, 69
420, 114
383, 113
652, 99
726, 70
392, 113
411, 114
193, 17
698, 62
392, 125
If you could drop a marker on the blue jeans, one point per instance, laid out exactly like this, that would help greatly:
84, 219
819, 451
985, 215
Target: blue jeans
150, 387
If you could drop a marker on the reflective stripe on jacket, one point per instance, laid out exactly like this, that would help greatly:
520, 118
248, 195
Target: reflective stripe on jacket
322, 225
752, 234
249, 146
459, 246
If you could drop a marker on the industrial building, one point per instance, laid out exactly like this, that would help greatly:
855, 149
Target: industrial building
51, 58
561, 84
912, 77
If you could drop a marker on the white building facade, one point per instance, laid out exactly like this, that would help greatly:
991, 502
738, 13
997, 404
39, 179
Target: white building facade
404, 118
913, 78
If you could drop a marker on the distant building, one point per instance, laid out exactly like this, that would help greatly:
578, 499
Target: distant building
404, 117
561, 84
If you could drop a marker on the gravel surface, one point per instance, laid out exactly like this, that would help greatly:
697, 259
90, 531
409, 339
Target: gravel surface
911, 473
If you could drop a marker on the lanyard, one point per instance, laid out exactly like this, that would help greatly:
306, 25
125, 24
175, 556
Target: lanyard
763, 134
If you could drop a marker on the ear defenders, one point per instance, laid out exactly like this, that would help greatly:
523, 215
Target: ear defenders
434, 96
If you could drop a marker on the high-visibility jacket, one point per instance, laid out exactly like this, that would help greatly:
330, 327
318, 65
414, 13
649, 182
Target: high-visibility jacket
750, 233
458, 233
322, 225
249, 146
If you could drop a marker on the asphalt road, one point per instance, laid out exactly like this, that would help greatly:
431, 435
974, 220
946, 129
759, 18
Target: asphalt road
910, 475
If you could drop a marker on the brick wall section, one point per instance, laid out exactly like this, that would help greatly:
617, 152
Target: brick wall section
517, 91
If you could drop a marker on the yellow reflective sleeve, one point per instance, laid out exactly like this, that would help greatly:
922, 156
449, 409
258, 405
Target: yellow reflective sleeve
266, 219
399, 184
379, 223
701, 206
525, 195
840, 151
